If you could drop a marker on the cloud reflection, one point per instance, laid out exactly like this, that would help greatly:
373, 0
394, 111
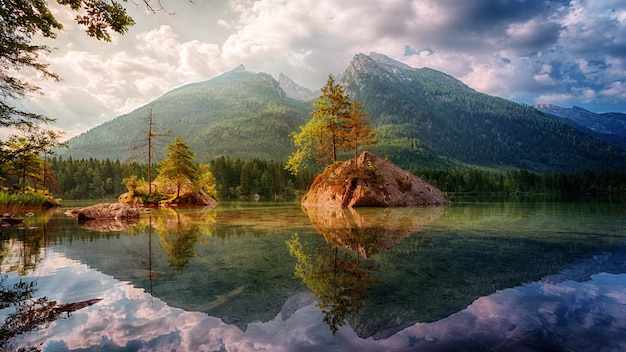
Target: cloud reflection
566, 315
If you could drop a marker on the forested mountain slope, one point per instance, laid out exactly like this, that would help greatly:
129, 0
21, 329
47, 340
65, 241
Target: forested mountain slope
425, 118
411, 107
238, 114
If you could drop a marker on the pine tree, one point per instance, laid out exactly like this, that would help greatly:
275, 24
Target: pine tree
336, 122
179, 166
357, 127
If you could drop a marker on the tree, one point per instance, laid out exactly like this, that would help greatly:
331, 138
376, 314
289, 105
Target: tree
34, 140
19, 155
152, 138
337, 122
21, 22
360, 133
179, 166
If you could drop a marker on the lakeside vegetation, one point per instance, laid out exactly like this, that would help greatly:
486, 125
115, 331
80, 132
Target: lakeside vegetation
236, 178
29, 198
475, 181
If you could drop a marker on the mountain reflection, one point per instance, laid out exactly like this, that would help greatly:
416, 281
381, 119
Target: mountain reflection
338, 278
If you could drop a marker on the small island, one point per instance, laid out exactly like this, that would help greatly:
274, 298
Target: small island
370, 181
337, 125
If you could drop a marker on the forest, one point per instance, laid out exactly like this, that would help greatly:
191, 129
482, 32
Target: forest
236, 178
100, 179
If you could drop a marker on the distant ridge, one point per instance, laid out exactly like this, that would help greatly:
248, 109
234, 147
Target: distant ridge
610, 127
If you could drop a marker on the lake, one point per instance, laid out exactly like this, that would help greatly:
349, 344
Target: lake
245, 276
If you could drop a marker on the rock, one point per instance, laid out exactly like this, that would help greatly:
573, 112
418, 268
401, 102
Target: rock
370, 181
9, 220
108, 225
52, 203
105, 211
198, 198
370, 231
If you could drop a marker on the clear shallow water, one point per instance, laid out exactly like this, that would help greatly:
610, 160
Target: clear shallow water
254, 276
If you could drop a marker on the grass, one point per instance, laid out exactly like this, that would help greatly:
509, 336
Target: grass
22, 199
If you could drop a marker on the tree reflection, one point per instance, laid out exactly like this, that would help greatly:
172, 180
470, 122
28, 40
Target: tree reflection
30, 313
22, 250
178, 235
337, 278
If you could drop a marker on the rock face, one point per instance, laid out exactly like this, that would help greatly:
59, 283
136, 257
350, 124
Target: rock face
105, 211
370, 181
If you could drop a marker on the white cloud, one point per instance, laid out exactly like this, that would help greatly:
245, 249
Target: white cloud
537, 50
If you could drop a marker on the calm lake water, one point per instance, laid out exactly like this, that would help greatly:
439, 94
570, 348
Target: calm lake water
476, 276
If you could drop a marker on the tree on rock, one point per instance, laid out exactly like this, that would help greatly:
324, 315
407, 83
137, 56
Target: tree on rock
337, 122
358, 131
179, 166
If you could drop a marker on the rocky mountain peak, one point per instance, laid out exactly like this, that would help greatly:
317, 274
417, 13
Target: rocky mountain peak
294, 90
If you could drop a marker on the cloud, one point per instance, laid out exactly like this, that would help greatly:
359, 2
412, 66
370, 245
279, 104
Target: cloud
501, 48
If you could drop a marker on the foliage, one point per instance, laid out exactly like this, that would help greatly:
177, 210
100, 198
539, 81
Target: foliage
477, 181
266, 178
358, 130
28, 198
336, 123
242, 115
78, 179
22, 21
179, 167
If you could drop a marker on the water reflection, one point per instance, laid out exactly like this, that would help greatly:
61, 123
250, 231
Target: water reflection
29, 313
369, 231
473, 277
339, 278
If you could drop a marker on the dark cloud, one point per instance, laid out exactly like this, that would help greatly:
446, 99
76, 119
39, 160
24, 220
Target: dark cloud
474, 26
488, 15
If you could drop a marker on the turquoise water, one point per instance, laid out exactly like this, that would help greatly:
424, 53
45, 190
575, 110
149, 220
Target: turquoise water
277, 277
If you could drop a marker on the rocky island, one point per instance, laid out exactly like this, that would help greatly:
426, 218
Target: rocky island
370, 181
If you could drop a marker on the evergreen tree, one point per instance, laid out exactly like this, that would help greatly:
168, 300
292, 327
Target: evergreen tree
336, 122
179, 166
357, 127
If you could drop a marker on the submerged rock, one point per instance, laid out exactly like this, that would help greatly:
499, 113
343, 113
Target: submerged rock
370, 181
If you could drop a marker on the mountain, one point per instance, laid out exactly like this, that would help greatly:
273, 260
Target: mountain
294, 90
610, 127
413, 108
425, 118
238, 114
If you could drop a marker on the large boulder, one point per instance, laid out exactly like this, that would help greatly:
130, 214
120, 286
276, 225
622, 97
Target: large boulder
370, 181
105, 211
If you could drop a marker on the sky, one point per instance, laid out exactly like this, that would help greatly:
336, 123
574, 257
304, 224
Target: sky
529, 51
